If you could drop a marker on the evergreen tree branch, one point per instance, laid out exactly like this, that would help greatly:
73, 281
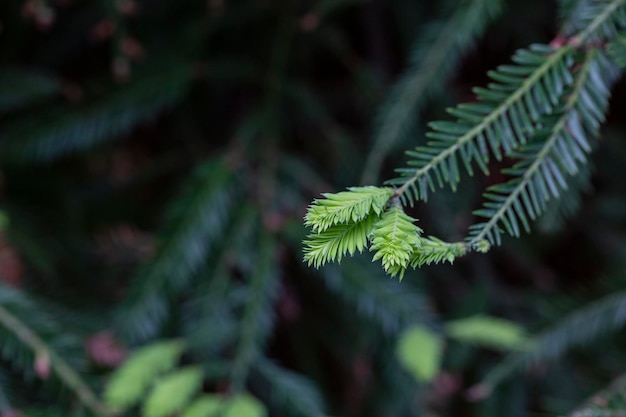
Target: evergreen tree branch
196, 221
257, 320
610, 402
436, 53
582, 326
509, 111
607, 17
503, 126
542, 174
617, 50
292, 394
56, 132
387, 303
333, 244
64, 371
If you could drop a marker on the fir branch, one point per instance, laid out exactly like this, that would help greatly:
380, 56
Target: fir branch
395, 238
257, 320
288, 393
610, 402
334, 243
617, 50
350, 206
581, 327
387, 303
56, 132
208, 320
63, 370
435, 55
601, 20
435, 251
507, 114
545, 164
196, 222
569, 201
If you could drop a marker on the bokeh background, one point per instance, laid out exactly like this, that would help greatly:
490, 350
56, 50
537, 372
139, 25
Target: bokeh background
156, 161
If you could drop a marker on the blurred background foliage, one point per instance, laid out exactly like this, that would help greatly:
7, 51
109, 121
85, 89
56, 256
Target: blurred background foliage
157, 158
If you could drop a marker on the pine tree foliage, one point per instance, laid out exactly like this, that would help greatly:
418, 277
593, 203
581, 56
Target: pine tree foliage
258, 317
387, 303
30, 334
617, 50
436, 251
395, 238
333, 244
545, 164
289, 393
112, 113
507, 113
195, 222
352, 206
608, 402
61, 131
569, 202
539, 112
580, 327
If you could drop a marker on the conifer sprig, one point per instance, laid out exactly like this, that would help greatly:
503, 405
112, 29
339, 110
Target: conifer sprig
334, 243
541, 111
555, 155
507, 113
350, 206
395, 238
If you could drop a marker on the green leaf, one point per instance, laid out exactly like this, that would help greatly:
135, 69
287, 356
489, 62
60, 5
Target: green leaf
334, 243
394, 239
208, 405
350, 206
245, 405
488, 332
419, 351
173, 392
212, 405
133, 378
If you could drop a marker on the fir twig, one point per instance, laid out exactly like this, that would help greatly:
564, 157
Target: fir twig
65, 372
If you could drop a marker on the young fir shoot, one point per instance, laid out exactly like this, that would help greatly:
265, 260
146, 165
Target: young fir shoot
540, 111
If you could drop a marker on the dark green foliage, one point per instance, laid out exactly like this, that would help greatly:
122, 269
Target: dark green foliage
59, 131
157, 159
288, 393
434, 56
197, 220
583, 326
